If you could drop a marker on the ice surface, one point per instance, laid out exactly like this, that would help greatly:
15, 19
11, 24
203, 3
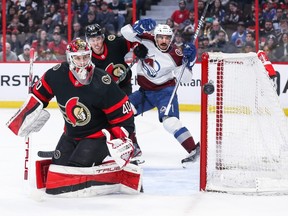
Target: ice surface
168, 188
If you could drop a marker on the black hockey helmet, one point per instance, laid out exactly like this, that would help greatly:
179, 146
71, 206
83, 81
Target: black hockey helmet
93, 31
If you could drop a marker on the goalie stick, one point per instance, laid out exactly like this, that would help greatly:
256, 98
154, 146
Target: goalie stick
27, 140
201, 22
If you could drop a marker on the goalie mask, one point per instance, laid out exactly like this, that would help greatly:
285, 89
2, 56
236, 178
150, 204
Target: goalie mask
79, 54
163, 36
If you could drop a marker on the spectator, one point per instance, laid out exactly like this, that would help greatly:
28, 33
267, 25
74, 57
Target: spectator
10, 55
212, 35
267, 31
48, 56
233, 15
78, 31
180, 15
220, 43
281, 52
250, 37
271, 42
12, 11
269, 53
58, 46
56, 16
41, 43
170, 23
238, 38
119, 10
25, 56
91, 19
217, 11
48, 24
203, 46
31, 28
269, 10
106, 19
15, 26
80, 9
188, 27
178, 41
15, 43
249, 47
277, 18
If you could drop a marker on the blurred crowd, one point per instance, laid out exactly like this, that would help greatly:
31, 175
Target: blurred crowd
43, 24
229, 25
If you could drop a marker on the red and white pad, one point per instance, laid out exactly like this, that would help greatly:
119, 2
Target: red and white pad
104, 179
121, 149
31, 117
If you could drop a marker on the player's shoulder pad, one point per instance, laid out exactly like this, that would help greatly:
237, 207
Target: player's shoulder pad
102, 76
56, 67
178, 52
111, 37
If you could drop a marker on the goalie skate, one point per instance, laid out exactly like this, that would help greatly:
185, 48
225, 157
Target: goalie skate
192, 157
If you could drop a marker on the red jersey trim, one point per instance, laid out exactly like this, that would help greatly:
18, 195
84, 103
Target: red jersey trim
121, 119
116, 106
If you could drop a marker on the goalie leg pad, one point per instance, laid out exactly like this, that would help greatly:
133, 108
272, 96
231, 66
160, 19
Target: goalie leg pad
104, 179
42, 167
29, 118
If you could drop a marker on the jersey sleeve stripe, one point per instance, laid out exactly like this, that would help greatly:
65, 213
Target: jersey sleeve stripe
121, 119
116, 106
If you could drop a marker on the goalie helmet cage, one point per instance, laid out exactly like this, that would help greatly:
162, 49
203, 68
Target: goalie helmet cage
244, 132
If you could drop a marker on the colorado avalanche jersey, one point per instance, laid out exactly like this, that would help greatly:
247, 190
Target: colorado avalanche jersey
159, 69
86, 109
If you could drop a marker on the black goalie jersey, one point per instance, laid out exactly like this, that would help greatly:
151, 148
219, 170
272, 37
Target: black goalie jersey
86, 109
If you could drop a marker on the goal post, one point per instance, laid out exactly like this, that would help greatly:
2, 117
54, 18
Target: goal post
244, 131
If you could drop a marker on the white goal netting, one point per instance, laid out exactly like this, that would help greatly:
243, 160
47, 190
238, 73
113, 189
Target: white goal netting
246, 128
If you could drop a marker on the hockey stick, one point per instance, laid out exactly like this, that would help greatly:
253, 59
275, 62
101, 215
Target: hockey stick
201, 22
122, 77
27, 140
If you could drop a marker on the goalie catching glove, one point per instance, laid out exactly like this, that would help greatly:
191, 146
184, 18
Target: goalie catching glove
189, 55
121, 149
31, 117
144, 25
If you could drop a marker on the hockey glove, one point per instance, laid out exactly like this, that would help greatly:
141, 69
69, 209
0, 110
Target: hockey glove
31, 117
121, 149
189, 55
144, 25
140, 51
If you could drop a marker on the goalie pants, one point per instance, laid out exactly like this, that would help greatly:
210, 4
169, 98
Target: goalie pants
81, 153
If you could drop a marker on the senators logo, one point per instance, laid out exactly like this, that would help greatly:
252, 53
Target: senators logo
116, 70
75, 113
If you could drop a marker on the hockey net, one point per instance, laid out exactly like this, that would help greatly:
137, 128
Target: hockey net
244, 132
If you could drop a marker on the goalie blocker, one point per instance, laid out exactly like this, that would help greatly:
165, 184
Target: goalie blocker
31, 117
107, 178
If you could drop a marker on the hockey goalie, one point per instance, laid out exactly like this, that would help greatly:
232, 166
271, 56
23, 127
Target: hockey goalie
93, 154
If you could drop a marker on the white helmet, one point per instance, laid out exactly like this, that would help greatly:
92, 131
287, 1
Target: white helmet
163, 29
83, 73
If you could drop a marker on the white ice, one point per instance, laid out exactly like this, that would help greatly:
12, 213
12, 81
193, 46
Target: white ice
168, 188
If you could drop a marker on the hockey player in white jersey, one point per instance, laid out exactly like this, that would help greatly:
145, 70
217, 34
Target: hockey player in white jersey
159, 66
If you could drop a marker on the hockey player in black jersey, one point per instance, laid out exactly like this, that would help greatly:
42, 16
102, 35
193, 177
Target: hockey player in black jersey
108, 53
98, 119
